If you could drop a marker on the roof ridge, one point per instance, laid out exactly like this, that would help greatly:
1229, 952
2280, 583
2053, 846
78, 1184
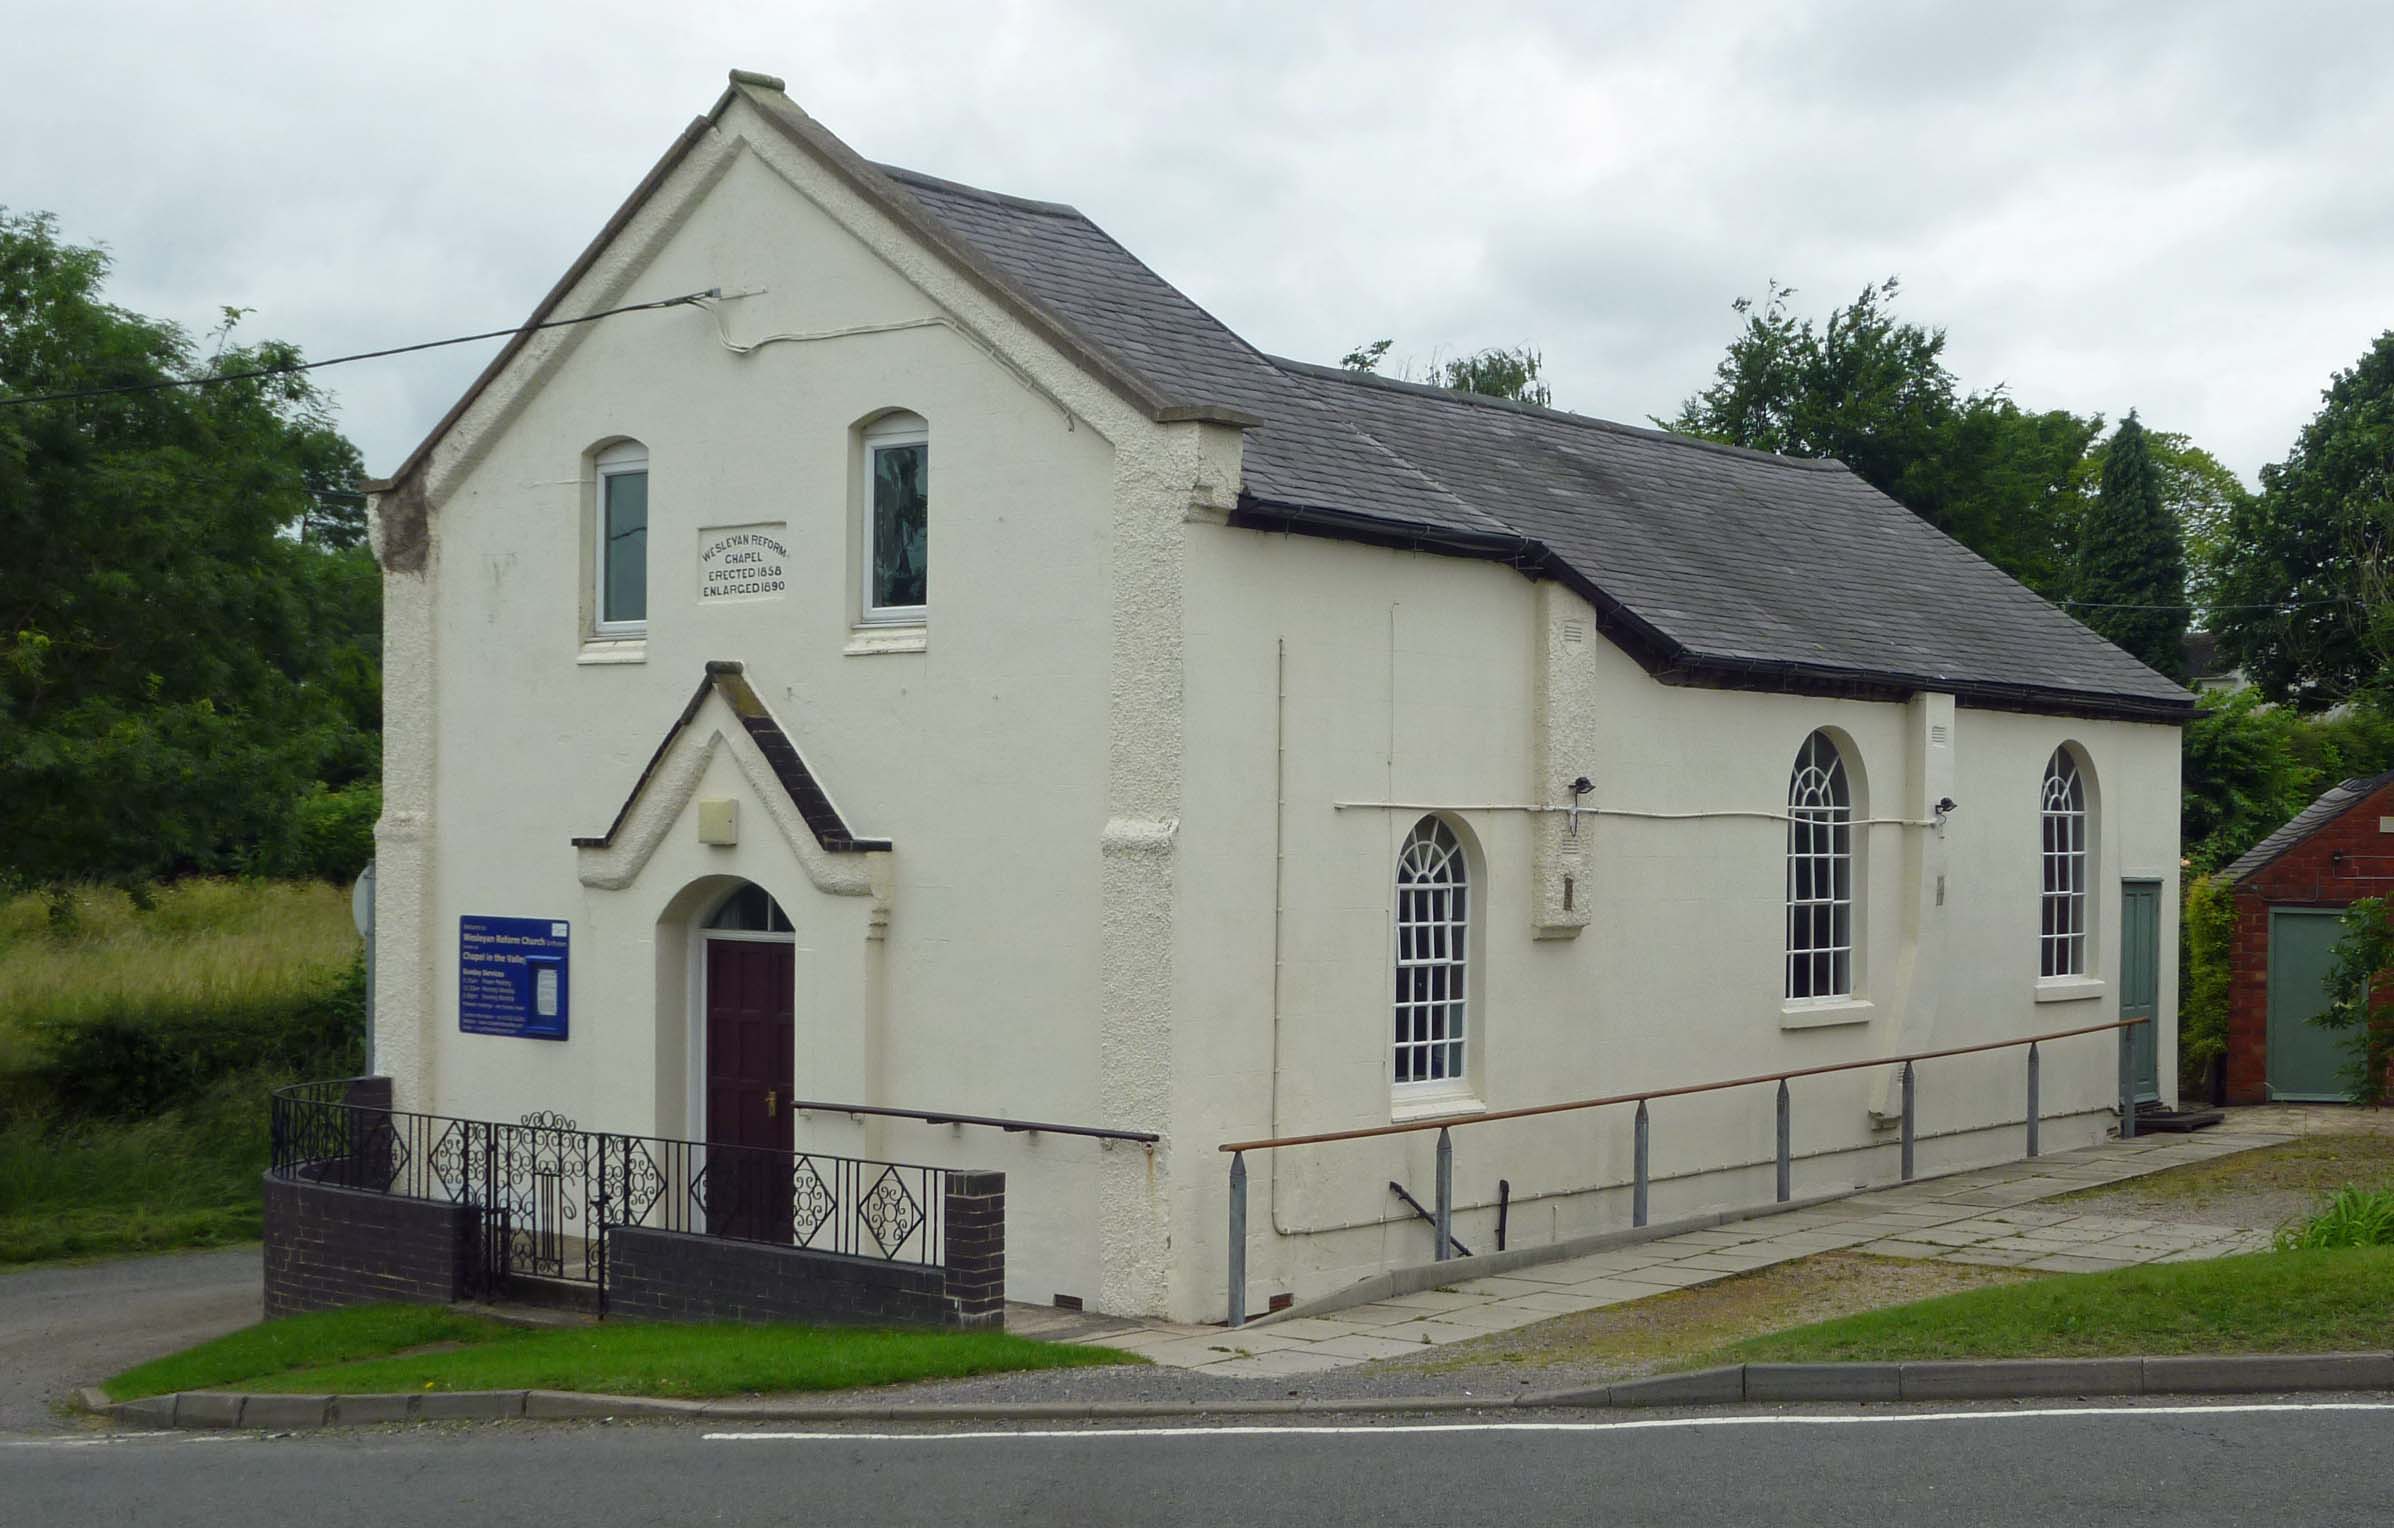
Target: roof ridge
908, 177
1560, 416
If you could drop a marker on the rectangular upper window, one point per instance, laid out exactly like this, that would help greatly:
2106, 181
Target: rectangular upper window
622, 563
897, 519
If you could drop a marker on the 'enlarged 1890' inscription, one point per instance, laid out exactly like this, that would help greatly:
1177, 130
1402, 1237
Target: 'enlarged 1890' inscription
742, 562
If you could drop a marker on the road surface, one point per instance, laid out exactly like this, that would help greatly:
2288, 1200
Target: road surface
66, 1326
2304, 1463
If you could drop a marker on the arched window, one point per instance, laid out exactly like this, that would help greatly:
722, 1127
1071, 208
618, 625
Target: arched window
1820, 874
622, 561
897, 510
1433, 926
2061, 944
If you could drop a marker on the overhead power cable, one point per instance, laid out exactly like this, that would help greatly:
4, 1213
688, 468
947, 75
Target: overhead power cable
343, 360
2199, 609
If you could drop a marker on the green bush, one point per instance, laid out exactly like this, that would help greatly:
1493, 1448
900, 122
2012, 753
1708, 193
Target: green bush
2210, 934
2363, 955
2354, 1218
333, 832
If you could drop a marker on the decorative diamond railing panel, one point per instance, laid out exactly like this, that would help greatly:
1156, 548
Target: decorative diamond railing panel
549, 1191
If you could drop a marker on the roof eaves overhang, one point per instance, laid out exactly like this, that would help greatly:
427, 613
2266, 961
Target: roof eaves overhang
1672, 662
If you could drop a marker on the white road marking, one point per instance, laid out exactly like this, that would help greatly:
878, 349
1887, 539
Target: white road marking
1808, 1419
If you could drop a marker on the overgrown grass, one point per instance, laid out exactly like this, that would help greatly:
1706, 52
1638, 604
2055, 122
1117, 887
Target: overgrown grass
2268, 1302
245, 1358
137, 1047
340, 1353
206, 946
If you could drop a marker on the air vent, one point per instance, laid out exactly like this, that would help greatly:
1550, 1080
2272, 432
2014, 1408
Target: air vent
1573, 631
1940, 735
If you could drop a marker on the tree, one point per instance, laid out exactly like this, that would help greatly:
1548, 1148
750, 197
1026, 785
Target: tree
2303, 580
2357, 998
2201, 492
177, 666
1875, 394
1500, 371
2132, 557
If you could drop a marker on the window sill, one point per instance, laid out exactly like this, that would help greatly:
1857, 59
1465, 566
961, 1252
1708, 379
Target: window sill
2070, 989
1825, 1014
604, 650
868, 640
1406, 1108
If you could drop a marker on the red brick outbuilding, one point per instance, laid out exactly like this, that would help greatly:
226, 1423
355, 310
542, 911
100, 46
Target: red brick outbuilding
2289, 890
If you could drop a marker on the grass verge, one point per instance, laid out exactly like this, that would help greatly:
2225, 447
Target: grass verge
243, 1359
2269, 1302
364, 1351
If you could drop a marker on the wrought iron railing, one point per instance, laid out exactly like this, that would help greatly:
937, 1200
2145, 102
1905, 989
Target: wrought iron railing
549, 1191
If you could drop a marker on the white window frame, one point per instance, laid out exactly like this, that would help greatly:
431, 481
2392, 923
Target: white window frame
2064, 829
1820, 874
891, 431
1431, 1044
622, 459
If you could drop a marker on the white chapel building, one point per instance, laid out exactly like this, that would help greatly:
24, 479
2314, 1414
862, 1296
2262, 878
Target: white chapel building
942, 655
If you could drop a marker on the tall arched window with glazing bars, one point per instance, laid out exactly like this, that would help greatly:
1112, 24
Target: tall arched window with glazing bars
1820, 874
1433, 928
2061, 941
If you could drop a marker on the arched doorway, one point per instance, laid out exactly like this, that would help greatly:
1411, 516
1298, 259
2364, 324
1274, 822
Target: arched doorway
747, 1063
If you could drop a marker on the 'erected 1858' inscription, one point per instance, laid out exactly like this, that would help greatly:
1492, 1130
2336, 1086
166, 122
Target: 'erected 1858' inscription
742, 562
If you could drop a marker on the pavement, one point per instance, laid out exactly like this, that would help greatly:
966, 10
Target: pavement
2140, 1465
1989, 1216
76, 1324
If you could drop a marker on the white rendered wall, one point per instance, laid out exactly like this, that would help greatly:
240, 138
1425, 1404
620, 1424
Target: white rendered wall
1414, 678
982, 756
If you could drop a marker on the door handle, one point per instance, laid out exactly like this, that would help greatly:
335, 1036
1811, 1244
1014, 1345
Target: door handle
772, 1102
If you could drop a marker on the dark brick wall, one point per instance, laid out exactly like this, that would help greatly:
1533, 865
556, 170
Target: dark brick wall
678, 1276
2341, 862
328, 1246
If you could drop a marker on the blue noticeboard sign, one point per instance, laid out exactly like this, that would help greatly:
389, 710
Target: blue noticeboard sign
511, 977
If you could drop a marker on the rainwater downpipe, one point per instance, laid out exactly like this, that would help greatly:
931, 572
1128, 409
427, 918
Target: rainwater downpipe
1279, 893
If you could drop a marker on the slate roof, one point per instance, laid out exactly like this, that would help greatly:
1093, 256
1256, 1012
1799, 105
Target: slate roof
2332, 804
1710, 564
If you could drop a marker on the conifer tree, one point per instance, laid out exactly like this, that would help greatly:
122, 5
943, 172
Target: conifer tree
2132, 557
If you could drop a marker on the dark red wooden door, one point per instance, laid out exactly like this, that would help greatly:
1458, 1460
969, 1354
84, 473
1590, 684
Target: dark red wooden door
751, 1066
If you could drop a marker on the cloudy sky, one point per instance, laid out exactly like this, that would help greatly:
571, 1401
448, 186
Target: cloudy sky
2181, 206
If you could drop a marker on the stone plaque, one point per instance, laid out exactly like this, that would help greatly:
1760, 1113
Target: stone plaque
742, 562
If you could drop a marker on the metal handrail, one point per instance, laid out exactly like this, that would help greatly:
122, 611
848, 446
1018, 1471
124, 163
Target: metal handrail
1094, 1132
1449, 1121
1443, 1219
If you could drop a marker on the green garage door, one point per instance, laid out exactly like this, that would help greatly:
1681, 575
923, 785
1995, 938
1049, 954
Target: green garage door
2305, 1061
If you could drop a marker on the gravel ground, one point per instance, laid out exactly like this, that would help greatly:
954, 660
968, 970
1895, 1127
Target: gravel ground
2255, 1190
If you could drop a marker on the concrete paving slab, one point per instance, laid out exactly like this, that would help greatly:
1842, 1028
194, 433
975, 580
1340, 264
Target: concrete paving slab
1500, 1317
1277, 1365
1552, 1302
1910, 1249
